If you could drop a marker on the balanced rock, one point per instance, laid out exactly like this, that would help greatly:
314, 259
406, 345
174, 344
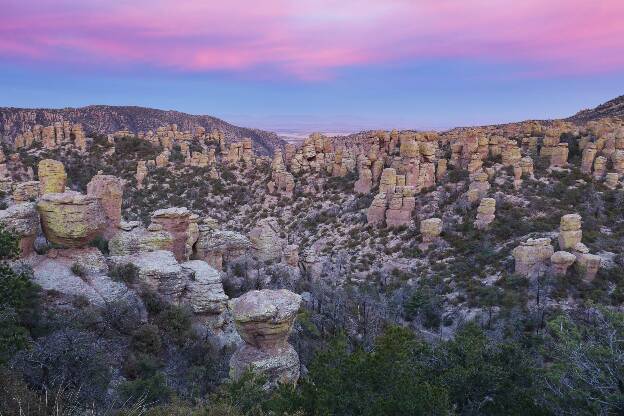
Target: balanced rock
264, 318
570, 232
71, 219
52, 176
531, 256
109, 189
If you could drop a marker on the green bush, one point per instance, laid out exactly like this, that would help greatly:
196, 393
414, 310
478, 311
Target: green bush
127, 273
78, 269
146, 339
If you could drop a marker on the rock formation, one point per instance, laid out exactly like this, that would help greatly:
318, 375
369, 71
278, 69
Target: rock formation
587, 264
132, 238
141, 173
219, 247
430, 229
570, 232
204, 290
26, 191
23, 221
485, 213
109, 190
531, 256
52, 177
264, 319
71, 219
265, 240
560, 261
182, 225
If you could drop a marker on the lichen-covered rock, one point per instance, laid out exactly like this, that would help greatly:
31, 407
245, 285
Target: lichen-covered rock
109, 189
71, 219
570, 232
136, 239
52, 176
217, 247
23, 221
204, 290
531, 256
26, 191
182, 225
264, 318
266, 241
560, 261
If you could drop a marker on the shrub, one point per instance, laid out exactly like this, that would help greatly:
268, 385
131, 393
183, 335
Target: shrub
127, 273
79, 270
147, 339
176, 322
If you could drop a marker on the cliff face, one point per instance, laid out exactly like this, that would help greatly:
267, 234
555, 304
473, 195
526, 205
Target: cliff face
612, 108
107, 119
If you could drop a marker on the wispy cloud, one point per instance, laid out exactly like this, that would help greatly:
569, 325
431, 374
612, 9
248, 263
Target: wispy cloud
311, 39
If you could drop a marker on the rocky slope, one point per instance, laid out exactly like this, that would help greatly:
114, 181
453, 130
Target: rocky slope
104, 119
249, 261
612, 108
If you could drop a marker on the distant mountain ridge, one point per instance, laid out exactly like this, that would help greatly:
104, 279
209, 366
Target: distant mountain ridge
107, 119
612, 108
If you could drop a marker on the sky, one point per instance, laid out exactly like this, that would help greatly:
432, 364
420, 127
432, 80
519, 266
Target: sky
317, 65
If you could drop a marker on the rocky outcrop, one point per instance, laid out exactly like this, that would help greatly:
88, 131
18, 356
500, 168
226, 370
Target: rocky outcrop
157, 270
264, 319
587, 162
52, 177
400, 206
109, 190
23, 221
71, 219
182, 225
478, 188
430, 229
560, 262
204, 290
570, 233
376, 213
587, 264
132, 238
219, 247
485, 213
26, 191
141, 173
531, 256
265, 240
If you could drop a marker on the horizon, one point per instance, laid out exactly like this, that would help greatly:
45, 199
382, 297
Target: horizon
317, 65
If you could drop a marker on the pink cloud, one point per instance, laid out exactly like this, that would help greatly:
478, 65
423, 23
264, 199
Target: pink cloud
311, 38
